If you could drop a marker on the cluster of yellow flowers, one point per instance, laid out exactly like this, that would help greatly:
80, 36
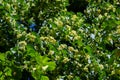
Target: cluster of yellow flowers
48, 39
59, 23
111, 7
66, 59
20, 34
101, 66
22, 45
74, 17
44, 67
118, 29
51, 52
68, 27
62, 46
85, 69
31, 37
70, 77
87, 56
72, 35
72, 49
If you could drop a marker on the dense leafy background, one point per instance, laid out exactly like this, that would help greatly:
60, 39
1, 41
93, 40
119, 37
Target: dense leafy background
59, 39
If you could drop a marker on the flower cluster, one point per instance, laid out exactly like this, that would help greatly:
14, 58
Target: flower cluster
31, 37
22, 45
48, 39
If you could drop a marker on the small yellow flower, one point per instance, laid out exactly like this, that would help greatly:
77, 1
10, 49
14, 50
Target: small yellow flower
65, 60
51, 39
19, 36
44, 67
57, 57
34, 69
70, 77
101, 66
62, 46
36, 47
118, 31
76, 51
118, 27
42, 38
76, 38
68, 27
114, 9
74, 17
87, 56
22, 45
106, 14
70, 48
73, 32
8, 6
100, 16
113, 72
98, 10
85, 69
31, 37
51, 52
80, 65
59, 23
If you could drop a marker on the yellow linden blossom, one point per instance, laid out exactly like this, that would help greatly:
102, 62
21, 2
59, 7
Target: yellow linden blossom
51, 39
68, 27
74, 17
106, 14
70, 77
76, 38
67, 37
57, 57
51, 52
24, 33
22, 45
114, 9
80, 65
113, 72
100, 16
87, 56
85, 69
98, 10
111, 7
73, 32
118, 27
34, 69
42, 38
62, 46
36, 47
19, 36
118, 31
44, 67
8, 6
70, 48
65, 60
31, 37
58, 23
48, 39
101, 66
76, 51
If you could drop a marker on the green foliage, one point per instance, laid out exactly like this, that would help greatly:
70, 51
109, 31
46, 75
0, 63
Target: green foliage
62, 45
